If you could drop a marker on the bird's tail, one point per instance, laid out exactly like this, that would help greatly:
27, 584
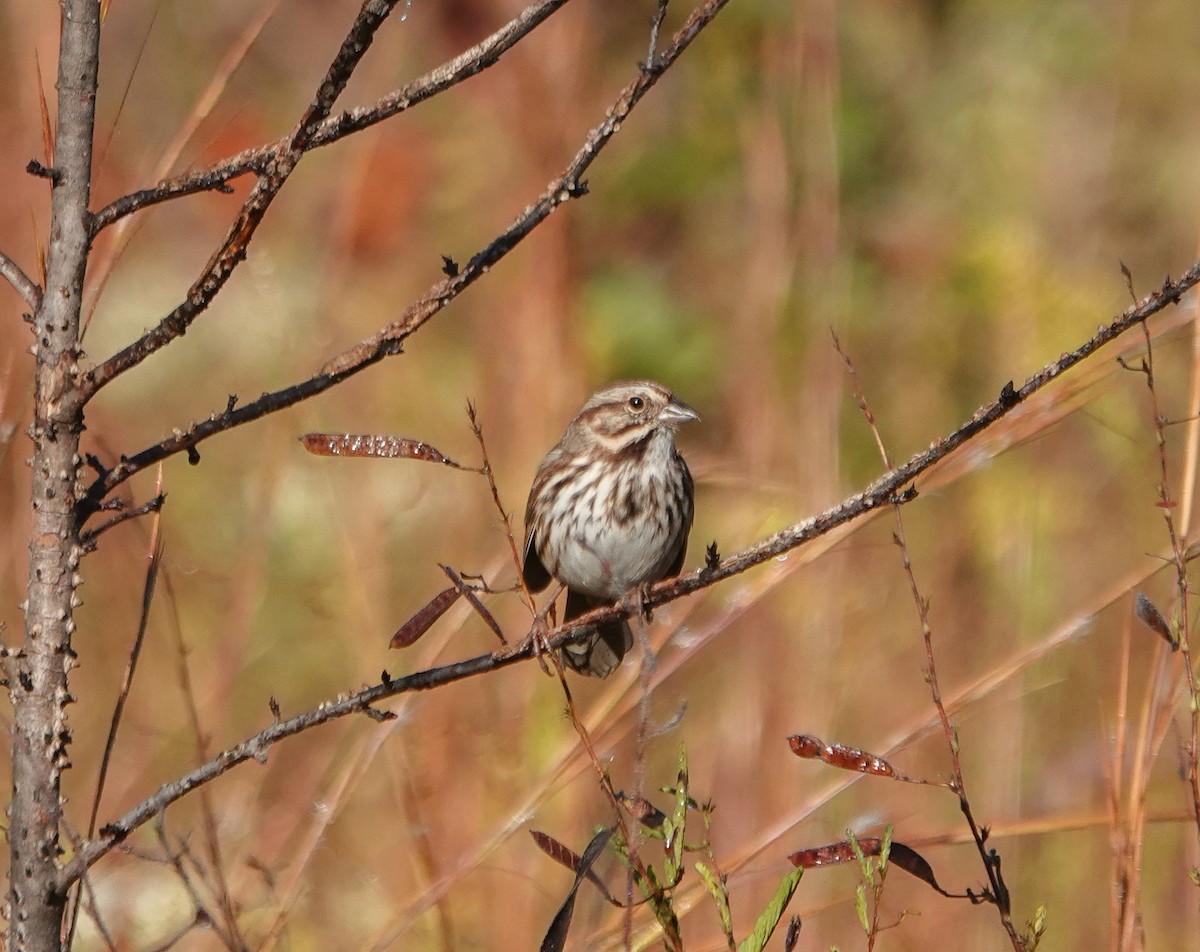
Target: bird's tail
600, 654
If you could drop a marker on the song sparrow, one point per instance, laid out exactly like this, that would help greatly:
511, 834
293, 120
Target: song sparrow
610, 510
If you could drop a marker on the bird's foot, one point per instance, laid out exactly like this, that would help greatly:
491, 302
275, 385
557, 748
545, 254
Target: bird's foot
539, 639
636, 602
536, 643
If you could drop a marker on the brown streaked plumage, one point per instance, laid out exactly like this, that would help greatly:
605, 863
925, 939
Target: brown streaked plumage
610, 510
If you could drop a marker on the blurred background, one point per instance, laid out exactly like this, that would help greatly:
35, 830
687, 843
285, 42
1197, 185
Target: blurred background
950, 186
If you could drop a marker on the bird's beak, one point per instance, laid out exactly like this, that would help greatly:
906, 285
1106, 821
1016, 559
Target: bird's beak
677, 412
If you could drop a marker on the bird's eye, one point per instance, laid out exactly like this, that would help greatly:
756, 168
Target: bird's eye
636, 403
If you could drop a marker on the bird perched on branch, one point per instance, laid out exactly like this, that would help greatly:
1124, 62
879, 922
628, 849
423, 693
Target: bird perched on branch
610, 511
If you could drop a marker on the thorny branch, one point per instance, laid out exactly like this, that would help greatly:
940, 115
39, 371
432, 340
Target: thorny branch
893, 487
390, 340
39, 732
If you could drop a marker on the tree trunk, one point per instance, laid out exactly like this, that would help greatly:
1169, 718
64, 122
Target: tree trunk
38, 674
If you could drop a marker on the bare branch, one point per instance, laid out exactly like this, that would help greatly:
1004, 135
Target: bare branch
891, 484
216, 177
154, 560
656, 23
256, 747
21, 282
271, 179
88, 539
889, 489
389, 340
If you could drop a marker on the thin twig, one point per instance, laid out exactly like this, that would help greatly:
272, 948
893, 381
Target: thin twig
997, 892
88, 539
473, 600
647, 662
656, 23
217, 176
271, 178
636, 866
175, 859
505, 518
1167, 503
154, 560
92, 907
228, 928
21, 282
102, 266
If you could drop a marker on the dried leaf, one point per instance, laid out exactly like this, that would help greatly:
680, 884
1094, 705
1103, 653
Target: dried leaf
913, 863
471, 597
642, 810
793, 934
557, 851
422, 621
1149, 615
565, 856
556, 935
905, 857
842, 756
374, 446
834, 853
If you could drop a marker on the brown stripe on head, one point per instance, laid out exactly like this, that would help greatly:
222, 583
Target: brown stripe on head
623, 414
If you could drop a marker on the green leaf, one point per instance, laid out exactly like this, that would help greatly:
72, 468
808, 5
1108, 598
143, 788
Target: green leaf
716, 889
860, 906
678, 823
769, 918
864, 861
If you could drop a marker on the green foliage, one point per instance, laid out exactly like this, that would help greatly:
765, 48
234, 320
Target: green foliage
658, 885
771, 916
868, 893
715, 885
